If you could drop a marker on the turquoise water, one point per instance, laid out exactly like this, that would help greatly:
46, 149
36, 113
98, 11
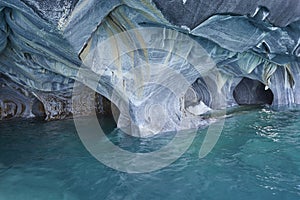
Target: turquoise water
256, 157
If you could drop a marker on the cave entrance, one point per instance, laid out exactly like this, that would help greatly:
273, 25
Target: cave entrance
252, 92
38, 109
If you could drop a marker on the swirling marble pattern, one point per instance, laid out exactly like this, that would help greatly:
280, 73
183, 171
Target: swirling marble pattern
43, 44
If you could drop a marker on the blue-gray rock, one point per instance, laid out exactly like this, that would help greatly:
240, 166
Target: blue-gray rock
186, 55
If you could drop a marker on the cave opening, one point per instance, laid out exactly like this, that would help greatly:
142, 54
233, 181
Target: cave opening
38, 109
252, 92
197, 99
107, 113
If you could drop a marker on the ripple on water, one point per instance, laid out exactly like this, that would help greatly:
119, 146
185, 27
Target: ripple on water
256, 157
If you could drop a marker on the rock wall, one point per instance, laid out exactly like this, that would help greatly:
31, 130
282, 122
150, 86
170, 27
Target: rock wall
162, 63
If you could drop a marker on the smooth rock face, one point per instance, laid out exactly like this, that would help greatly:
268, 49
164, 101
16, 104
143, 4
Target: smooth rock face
189, 57
194, 12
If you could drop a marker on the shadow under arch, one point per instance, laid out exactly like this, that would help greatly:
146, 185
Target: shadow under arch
252, 92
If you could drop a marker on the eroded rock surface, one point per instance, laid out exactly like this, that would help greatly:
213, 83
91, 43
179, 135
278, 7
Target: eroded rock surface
189, 57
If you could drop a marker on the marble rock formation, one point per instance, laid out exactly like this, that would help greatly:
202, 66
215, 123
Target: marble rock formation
162, 63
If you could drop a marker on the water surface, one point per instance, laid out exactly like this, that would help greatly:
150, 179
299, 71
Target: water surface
256, 157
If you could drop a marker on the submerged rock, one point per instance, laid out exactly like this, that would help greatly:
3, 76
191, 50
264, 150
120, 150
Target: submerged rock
160, 62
